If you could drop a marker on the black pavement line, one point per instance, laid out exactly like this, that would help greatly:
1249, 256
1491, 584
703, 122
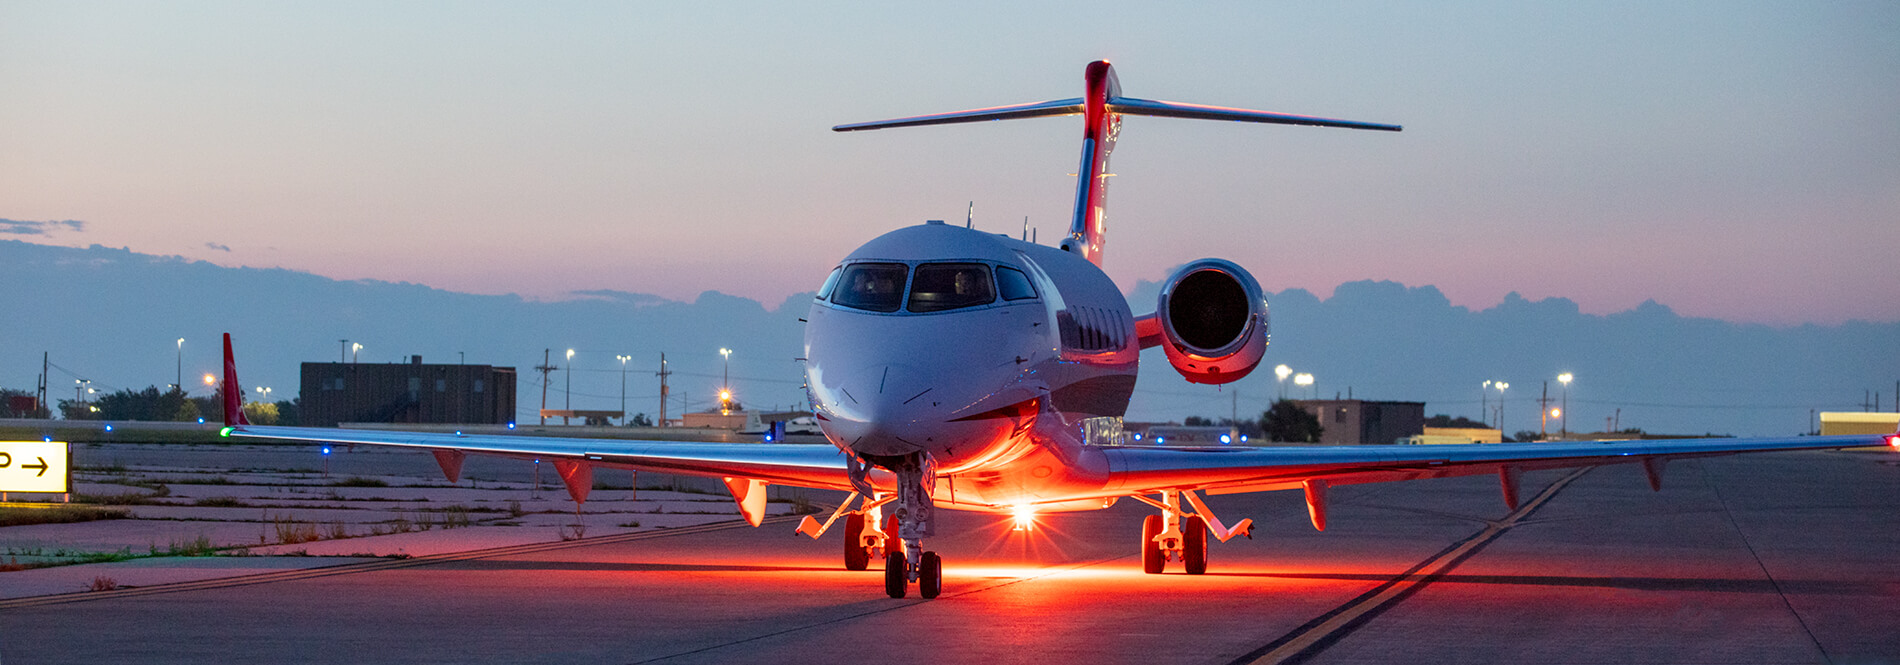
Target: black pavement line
1321, 633
373, 566
1730, 514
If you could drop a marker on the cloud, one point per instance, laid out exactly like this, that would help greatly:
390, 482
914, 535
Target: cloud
216, 246
20, 228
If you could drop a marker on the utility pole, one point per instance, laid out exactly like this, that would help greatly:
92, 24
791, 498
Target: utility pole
663, 373
1543, 413
545, 369
343, 351
44, 366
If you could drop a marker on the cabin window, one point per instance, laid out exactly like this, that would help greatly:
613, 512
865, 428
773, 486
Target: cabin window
830, 281
878, 287
946, 286
1013, 284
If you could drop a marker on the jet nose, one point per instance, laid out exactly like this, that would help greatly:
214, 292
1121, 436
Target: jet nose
881, 411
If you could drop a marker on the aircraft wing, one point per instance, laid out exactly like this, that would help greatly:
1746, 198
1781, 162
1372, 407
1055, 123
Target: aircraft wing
805, 465
1136, 470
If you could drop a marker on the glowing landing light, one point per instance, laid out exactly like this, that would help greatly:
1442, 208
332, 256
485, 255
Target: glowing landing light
1024, 518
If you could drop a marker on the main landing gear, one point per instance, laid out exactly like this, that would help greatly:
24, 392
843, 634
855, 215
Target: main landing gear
1176, 535
897, 538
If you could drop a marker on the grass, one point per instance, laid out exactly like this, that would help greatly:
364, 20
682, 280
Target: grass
66, 514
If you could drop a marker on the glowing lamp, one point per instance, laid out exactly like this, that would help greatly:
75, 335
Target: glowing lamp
511, 425
108, 425
1226, 439
225, 431
326, 450
1024, 518
1894, 441
210, 380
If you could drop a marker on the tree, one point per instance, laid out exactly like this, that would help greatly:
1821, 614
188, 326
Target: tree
1286, 421
290, 411
1197, 421
260, 413
640, 420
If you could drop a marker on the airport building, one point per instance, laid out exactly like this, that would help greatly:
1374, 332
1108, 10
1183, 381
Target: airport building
1356, 421
409, 392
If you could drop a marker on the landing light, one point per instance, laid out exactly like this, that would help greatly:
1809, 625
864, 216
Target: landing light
1024, 518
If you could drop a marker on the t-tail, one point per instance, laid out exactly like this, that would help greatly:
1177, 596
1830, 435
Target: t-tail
1102, 109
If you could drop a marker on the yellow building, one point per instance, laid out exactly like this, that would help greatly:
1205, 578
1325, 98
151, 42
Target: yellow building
1858, 422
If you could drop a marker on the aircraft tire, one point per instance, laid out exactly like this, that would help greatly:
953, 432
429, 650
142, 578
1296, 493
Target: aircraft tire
896, 575
930, 577
1152, 561
856, 557
1194, 547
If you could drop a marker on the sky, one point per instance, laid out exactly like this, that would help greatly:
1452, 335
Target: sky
1734, 160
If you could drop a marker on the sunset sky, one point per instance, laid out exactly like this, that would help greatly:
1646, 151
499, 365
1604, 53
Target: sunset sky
1736, 160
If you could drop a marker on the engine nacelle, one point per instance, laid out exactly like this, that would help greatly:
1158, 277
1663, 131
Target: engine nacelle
1213, 320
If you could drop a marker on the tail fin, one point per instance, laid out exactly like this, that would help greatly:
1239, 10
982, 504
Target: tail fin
233, 393
1102, 109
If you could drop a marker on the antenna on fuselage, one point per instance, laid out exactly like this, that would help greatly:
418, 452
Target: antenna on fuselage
969, 216
1102, 108
1025, 228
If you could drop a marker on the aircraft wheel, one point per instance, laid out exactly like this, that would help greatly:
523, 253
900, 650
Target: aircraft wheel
896, 575
1194, 547
856, 557
1152, 560
930, 577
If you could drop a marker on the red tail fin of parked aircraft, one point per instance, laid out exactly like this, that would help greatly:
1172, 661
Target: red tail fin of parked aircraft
232, 393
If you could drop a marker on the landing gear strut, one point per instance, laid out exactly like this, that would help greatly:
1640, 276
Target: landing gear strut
915, 519
1176, 535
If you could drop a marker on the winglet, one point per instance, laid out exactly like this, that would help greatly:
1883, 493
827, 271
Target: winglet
233, 393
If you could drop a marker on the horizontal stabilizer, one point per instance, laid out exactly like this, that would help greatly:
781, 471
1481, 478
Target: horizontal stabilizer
1132, 106
1036, 110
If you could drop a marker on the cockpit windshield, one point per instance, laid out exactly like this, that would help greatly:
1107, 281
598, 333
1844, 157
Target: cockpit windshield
878, 287
944, 286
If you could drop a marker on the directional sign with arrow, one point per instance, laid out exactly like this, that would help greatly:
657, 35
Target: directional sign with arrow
35, 466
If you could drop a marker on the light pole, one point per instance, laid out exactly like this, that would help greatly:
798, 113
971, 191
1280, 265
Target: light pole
623, 387
1500, 386
180, 385
1305, 380
1564, 424
1280, 373
570, 383
1484, 401
725, 382
354, 348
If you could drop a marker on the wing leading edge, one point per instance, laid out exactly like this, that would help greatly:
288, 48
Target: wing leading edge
1136, 470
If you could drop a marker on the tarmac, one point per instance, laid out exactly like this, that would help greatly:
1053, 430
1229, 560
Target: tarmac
1770, 558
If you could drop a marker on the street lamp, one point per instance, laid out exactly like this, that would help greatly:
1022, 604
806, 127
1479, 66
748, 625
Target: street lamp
623, 387
1304, 379
1500, 386
1280, 373
1484, 401
353, 349
1565, 378
265, 392
725, 381
570, 381
180, 385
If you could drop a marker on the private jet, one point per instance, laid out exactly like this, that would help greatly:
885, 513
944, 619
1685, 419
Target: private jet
957, 369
